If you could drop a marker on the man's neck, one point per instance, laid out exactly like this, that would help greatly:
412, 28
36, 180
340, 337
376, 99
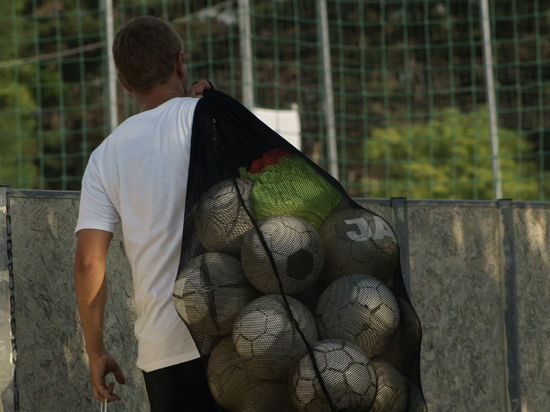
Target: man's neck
154, 100
159, 95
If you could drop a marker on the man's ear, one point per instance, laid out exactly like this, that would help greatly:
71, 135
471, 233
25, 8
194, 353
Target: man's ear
180, 66
121, 80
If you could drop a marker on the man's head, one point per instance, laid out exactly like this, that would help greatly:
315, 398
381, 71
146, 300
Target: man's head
146, 50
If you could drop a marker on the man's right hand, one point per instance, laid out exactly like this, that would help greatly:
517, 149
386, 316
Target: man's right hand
197, 89
100, 366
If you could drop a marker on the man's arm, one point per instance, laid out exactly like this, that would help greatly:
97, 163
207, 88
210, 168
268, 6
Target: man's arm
91, 293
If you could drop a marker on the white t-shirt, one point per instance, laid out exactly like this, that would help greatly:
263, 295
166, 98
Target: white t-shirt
138, 176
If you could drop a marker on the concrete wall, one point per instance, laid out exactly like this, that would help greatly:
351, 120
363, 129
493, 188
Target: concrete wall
478, 274
51, 361
529, 257
456, 289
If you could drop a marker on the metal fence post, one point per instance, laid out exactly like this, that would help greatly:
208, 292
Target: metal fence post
330, 121
513, 366
111, 70
8, 387
245, 35
491, 99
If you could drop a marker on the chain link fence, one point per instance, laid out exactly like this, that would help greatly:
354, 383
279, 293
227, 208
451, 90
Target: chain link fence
391, 96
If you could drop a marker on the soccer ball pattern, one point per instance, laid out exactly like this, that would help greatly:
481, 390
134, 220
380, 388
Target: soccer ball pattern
417, 403
391, 389
405, 346
360, 309
210, 292
227, 376
267, 396
296, 249
220, 220
348, 375
266, 339
358, 241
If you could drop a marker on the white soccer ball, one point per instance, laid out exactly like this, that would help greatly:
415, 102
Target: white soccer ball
267, 340
358, 241
347, 373
417, 403
296, 249
210, 291
391, 389
310, 296
221, 221
227, 376
360, 309
404, 348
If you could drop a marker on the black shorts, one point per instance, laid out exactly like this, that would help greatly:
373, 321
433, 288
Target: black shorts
180, 388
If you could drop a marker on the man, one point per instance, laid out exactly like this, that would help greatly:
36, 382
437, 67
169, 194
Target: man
138, 177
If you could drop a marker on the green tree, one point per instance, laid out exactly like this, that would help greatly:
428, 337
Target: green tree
18, 148
448, 157
392, 62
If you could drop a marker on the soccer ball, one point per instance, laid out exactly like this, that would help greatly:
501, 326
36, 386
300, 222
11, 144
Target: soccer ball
391, 389
417, 403
267, 340
405, 346
310, 295
348, 375
344, 204
210, 291
360, 309
358, 241
221, 221
227, 376
266, 397
296, 249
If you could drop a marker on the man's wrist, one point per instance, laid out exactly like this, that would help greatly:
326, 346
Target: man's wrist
96, 351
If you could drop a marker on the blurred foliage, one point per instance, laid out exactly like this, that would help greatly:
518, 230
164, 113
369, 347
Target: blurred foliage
17, 107
395, 65
448, 156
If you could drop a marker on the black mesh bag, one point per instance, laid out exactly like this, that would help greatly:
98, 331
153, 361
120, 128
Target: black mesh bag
291, 288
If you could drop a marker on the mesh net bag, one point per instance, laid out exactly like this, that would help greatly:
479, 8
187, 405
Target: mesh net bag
292, 289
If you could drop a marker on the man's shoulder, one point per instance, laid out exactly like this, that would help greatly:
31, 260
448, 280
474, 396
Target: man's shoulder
177, 103
138, 123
